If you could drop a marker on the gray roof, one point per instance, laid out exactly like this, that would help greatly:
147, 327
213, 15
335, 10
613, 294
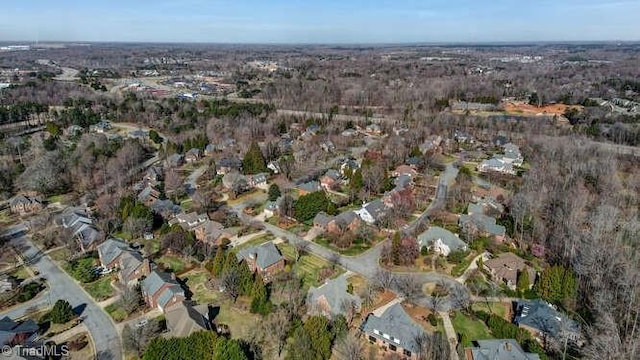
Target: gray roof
165, 207
22, 199
111, 249
402, 181
311, 186
129, 262
10, 328
377, 209
334, 174
397, 325
265, 254
447, 237
168, 294
185, 319
152, 283
346, 217
505, 349
322, 219
541, 315
335, 293
484, 223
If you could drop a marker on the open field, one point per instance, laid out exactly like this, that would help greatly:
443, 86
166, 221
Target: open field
520, 108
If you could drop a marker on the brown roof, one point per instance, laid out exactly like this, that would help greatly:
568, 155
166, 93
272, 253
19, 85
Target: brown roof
506, 267
183, 319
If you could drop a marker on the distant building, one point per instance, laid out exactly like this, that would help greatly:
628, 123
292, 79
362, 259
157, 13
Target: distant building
22, 204
265, 259
81, 227
193, 155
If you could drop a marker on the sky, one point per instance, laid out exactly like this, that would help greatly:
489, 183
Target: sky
315, 21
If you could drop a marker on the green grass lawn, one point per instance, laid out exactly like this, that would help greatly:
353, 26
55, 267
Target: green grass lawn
172, 263
499, 309
308, 267
473, 329
241, 323
355, 249
255, 241
59, 255
21, 273
123, 235
116, 312
100, 289
195, 281
55, 198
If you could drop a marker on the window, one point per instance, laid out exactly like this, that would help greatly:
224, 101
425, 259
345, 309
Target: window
372, 339
407, 353
392, 347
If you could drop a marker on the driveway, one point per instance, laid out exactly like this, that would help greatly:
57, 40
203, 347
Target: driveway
107, 341
191, 183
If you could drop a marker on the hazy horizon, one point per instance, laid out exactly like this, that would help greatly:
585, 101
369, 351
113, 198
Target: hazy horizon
328, 22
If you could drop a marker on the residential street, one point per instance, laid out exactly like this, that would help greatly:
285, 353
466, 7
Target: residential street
102, 329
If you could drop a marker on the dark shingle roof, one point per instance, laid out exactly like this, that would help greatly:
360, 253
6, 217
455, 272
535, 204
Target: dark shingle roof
266, 254
505, 349
152, 283
111, 249
335, 292
398, 327
539, 314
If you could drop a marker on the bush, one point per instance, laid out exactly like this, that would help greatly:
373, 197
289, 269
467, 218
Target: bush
432, 320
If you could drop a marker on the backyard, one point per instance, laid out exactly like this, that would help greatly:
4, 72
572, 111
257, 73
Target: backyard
195, 281
171, 263
501, 309
469, 328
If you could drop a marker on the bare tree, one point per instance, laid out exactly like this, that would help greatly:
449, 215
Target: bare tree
302, 248
409, 286
334, 259
349, 347
231, 284
131, 299
136, 339
383, 279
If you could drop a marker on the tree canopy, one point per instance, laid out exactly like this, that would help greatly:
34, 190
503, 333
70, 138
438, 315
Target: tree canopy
254, 162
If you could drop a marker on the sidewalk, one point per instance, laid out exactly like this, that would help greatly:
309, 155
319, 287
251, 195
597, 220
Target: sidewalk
451, 334
473, 266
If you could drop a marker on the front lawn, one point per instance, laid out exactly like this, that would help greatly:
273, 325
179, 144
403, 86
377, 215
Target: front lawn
471, 329
100, 289
171, 263
22, 273
353, 250
116, 312
308, 266
256, 241
500, 309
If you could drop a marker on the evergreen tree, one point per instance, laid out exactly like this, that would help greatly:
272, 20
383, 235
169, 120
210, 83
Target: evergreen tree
523, 281
254, 161
274, 192
61, 313
217, 264
355, 182
230, 349
308, 206
557, 285
396, 249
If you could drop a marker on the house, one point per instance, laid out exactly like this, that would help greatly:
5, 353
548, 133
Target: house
482, 225
183, 319
431, 144
499, 140
115, 253
226, 165
265, 259
193, 155
154, 175
138, 134
496, 165
161, 290
441, 241
166, 208
13, 333
149, 195
73, 130
308, 188
274, 167
328, 146
322, 220
544, 322
188, 221
500, 349
393, 331
512, 154
332, 298
373, 129
506, 268
330, 180
372, 212
101, 127
486, 205
405, 170
402, 182
174, 160
462, 137
348, 166
349, 133
209, 150
22, 204
258, 181
346, 221
7, 283
78, 223
271, 207
209, 232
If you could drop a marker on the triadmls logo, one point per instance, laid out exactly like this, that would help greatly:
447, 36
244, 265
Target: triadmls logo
43, 351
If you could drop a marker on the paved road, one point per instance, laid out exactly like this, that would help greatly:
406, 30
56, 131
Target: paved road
102, 329
473, 266
447, 177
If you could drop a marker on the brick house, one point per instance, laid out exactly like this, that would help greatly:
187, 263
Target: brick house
346, 221
265, 259
161, 290
22, 204
394, 331
115, 253
210, 232
332, 298
506, 268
